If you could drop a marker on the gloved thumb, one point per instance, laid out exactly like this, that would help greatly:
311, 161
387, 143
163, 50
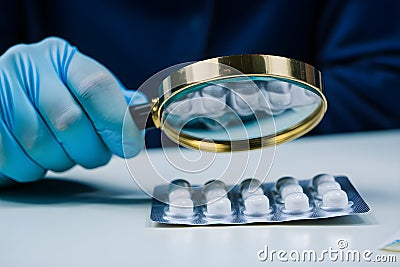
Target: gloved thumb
133, 97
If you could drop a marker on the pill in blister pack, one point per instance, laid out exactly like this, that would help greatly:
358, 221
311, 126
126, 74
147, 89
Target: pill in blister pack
251, 201
296, 203
335, 199
217, 202
214, 190
180, 199
255, 203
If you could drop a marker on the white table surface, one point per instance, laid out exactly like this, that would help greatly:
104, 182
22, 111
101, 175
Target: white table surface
100, 217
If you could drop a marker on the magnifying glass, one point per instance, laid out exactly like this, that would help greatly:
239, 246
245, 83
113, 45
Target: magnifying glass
236, 103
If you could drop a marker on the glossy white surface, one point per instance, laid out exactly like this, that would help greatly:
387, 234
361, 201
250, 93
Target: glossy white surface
97, 217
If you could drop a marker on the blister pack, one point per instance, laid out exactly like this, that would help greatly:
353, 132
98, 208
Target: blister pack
287, 199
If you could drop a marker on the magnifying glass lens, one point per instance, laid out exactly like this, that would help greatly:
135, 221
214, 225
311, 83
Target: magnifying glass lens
239, 109
235, 103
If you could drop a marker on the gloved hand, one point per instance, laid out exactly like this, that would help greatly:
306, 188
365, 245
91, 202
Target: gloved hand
60, 108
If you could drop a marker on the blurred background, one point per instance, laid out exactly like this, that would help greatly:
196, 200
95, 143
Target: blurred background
355, 43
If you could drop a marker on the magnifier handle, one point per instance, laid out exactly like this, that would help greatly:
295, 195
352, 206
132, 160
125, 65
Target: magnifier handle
141, 114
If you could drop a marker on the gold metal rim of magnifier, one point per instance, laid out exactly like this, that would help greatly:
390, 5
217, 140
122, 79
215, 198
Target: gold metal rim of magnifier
228, 67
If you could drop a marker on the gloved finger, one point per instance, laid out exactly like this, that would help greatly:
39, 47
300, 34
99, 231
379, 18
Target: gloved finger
29, 130
133, 97
12, 157
69, 123
99, 93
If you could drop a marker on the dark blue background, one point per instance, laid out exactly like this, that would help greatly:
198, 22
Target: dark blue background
355, 43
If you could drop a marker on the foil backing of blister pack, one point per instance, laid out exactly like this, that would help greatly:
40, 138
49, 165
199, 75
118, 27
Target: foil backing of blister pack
276, 213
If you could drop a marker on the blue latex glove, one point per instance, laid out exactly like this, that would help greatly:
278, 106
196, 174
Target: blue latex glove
60, 108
